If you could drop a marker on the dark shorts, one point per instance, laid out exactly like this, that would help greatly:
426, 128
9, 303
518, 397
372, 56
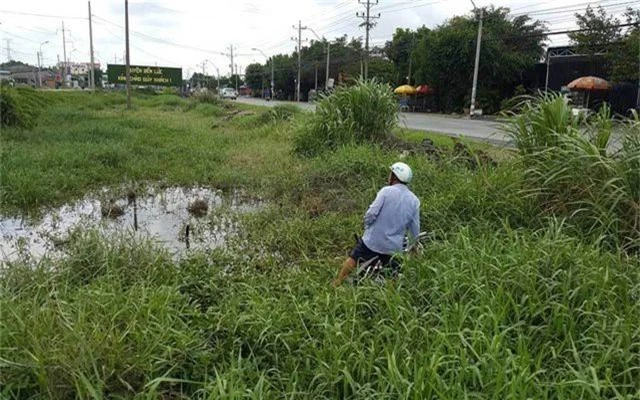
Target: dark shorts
361, 253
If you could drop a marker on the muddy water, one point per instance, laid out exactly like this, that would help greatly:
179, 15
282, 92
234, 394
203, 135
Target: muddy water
161, 215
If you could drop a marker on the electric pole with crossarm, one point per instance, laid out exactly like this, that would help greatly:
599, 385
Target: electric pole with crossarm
367, 17
300, 28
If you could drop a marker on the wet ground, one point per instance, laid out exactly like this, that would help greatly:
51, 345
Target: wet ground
180, 219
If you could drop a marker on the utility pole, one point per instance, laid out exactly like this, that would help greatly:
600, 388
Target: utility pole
231, 56
64, 56
326, 80
8, 49
92, 78
39, 77
128, 65
236, 78
638, 99
413, 43
316, 87
59, 69
368, 25
204, 74
546, 79
273, 76
300, 28
472, 108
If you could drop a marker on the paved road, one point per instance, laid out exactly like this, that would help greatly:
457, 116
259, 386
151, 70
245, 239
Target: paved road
479, 130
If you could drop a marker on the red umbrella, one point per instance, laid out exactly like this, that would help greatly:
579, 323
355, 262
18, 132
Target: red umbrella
424, 89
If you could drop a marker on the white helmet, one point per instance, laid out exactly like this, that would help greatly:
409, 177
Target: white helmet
402, 171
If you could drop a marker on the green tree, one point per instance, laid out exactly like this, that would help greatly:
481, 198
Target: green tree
199, 80
444, 58
383, 70
345, 60
254, 76
97, 76
284, 74
400, 50
623, 57
598, 31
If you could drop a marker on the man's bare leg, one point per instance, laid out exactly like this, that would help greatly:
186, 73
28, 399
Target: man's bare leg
347, 267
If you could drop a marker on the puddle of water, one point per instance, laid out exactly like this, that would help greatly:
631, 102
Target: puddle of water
158, 214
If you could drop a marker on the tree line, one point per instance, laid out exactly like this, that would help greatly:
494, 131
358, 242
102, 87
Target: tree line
443, 57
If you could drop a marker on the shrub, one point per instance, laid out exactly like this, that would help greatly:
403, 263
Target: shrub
207, 96
149, 91
167, 101
364, 112
280, 112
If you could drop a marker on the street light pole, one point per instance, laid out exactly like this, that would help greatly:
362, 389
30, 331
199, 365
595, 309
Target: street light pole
272, 69
472, 108
40, 62
39, 78
326, 78
217, 71
128, 64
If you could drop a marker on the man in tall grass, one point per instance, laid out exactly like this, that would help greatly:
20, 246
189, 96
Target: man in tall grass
395, 211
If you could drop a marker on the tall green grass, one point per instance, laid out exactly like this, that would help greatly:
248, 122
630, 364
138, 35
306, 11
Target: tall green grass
364, 112
587, 171
20, 107
509, 315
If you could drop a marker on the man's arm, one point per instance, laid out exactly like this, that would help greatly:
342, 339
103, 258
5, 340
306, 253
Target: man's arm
414, 223
375, 207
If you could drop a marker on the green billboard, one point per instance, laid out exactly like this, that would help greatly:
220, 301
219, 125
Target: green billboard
145, 75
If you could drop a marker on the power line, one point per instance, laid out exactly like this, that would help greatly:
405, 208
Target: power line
160, 40
121, 36
567, 9
41, 32
526, 7
41, 15
20, 37
393, 10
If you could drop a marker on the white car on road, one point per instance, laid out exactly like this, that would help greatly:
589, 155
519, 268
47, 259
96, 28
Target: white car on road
229, 93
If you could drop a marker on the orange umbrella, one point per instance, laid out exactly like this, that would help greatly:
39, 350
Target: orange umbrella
589, 83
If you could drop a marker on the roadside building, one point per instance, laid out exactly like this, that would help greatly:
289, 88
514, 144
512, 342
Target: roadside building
562, 65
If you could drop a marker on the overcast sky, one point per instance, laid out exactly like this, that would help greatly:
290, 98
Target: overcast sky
186, 32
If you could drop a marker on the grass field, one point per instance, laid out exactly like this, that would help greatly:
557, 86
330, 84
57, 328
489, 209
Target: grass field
506, 303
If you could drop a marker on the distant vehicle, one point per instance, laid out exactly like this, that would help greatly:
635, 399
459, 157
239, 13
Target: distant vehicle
229, 93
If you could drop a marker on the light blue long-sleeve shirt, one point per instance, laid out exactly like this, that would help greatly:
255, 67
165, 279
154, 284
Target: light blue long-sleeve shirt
395, 211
